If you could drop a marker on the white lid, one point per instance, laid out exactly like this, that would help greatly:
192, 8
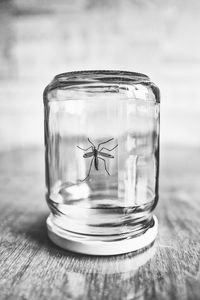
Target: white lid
102, 247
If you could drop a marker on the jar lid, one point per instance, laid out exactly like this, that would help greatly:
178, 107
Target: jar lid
61, 239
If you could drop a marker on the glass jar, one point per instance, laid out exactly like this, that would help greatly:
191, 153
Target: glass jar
102, 160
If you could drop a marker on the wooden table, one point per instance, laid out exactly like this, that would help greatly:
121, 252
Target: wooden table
31, 267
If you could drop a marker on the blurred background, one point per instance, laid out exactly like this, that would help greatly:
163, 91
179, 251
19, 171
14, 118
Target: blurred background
40, 38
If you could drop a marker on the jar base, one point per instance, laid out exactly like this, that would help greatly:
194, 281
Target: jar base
71, 242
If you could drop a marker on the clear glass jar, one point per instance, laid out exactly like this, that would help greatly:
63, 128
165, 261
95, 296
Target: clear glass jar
102, 155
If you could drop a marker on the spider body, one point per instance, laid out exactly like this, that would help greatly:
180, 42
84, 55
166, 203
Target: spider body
97, 154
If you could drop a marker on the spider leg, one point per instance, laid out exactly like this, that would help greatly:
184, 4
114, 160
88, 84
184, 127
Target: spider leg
104, 143
108, 149
89, 170
84, 149
104, 165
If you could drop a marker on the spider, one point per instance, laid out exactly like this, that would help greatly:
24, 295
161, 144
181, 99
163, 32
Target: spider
96, 153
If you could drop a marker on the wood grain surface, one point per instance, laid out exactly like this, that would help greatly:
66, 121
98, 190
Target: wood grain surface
31, 267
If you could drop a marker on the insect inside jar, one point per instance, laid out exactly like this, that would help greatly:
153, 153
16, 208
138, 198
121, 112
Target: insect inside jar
96, 153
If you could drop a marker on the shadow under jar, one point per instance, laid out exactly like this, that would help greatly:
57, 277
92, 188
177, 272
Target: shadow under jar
102, 160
